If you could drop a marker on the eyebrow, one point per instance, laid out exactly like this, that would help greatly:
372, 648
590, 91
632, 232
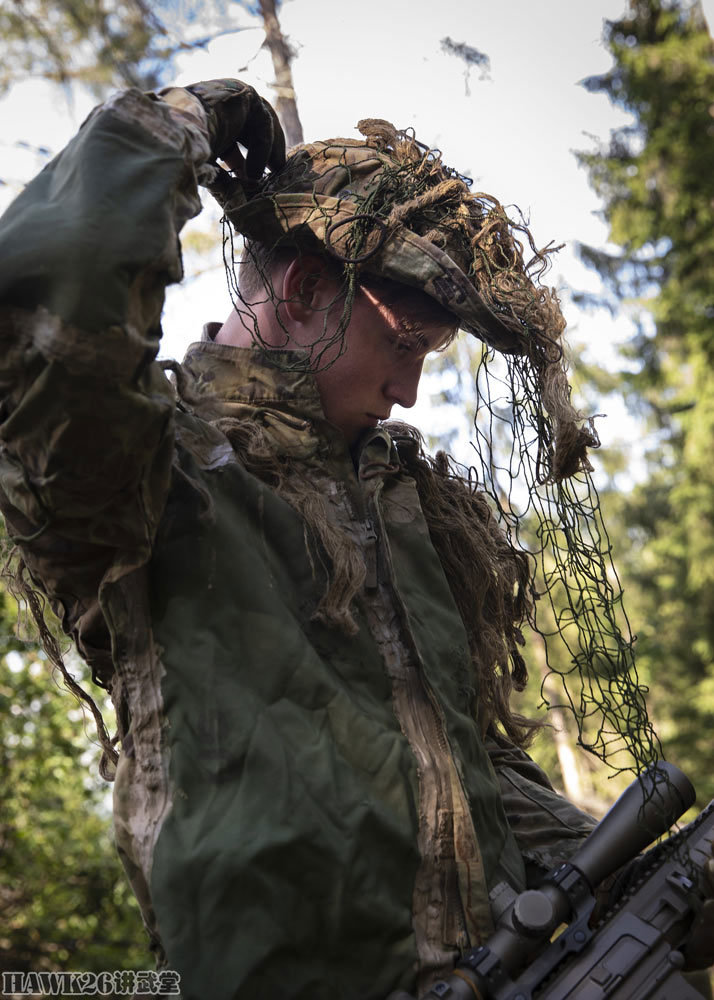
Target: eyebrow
410, 329
415, 337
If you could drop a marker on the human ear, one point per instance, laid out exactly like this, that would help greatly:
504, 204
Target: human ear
308, 287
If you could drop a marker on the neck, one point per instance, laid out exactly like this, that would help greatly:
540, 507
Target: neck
236, 331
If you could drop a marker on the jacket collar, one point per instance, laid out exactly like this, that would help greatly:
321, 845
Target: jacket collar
275, 387
231, 378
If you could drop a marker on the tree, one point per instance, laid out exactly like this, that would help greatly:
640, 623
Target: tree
655, 177
282, 55
657, 185
103, 44
95, 42
64, 899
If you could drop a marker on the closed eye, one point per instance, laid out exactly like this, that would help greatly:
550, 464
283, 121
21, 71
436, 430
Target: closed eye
408, 342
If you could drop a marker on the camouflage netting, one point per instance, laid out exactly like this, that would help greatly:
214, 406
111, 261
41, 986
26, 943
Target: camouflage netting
389, 207
580, 603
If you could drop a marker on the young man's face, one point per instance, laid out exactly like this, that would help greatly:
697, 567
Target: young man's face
386, 344
391, 330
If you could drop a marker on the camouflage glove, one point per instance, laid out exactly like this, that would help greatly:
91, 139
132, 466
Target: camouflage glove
237, 114
234, 114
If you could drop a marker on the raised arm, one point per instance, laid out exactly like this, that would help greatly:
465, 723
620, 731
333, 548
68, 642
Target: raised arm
86, 252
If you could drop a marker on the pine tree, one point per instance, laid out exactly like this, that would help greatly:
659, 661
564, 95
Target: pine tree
657, 185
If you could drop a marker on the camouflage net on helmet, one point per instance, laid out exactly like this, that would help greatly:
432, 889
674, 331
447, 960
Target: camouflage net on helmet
541, 486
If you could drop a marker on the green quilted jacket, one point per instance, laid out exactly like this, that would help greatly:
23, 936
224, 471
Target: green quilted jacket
303, 810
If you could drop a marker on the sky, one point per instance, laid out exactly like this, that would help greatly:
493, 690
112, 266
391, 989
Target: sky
514, 130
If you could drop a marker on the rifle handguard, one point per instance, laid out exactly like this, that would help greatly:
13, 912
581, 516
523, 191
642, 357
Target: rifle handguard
645, 811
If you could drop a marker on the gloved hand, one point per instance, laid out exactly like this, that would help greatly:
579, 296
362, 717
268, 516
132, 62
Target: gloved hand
237, 114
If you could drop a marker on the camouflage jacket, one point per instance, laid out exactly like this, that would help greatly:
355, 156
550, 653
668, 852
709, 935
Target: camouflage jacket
303, 810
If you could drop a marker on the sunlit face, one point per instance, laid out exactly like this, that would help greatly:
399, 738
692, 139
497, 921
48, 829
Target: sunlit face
386, 344
391, 330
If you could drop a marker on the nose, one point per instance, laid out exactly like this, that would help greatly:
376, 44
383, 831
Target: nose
403, 384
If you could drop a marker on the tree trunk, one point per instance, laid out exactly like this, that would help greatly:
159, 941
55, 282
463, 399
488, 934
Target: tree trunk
576, 784
572, 784
285, 103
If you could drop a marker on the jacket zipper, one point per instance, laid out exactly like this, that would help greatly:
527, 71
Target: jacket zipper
427, 731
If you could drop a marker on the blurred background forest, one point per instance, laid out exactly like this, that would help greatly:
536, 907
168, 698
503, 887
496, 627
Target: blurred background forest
63, 899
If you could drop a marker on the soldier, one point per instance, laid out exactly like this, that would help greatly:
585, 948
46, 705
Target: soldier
310, 629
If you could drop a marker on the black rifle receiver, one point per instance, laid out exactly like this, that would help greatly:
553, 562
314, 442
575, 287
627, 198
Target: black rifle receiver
632, 952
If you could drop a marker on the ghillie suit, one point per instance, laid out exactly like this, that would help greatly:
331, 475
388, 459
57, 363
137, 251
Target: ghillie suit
309, 649
388, 207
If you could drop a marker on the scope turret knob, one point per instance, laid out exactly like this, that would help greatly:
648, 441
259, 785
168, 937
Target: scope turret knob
533, 913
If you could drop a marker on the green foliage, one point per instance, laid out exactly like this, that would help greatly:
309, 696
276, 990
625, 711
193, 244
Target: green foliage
655, 178
99, 43
657, 184
64, 899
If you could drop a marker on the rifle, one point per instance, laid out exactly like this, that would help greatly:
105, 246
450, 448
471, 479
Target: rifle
633, 951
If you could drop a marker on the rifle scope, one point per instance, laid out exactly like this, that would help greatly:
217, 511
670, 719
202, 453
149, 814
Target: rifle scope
644, 811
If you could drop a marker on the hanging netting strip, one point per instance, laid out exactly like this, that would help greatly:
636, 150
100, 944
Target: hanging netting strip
579, 593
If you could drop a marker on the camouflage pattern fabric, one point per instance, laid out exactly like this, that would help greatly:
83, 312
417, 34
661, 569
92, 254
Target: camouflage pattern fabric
302, 812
